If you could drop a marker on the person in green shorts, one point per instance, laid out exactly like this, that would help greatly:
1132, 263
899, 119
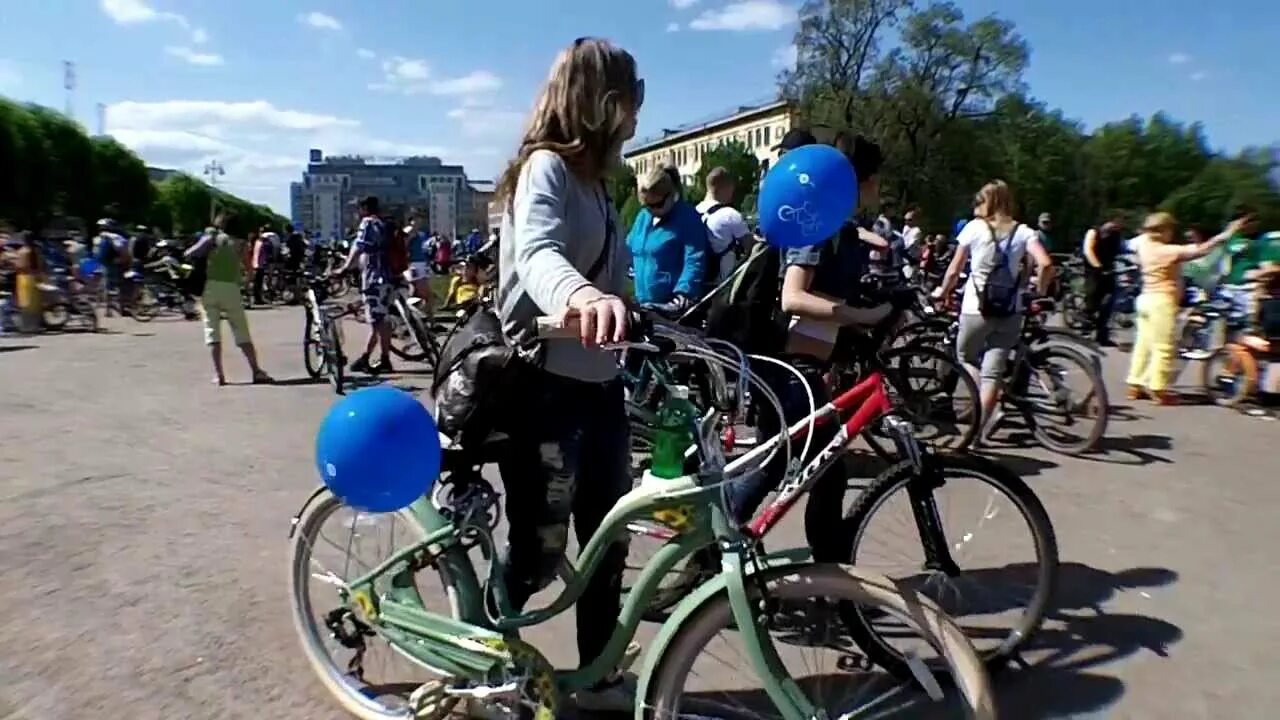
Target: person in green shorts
221, 298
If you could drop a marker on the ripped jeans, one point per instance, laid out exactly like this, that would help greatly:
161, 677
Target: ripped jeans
569, 456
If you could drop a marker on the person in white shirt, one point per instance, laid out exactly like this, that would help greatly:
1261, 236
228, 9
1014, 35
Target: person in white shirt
991, 311
912, 244
726, 230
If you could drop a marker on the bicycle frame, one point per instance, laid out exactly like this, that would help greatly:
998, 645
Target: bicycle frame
475, 646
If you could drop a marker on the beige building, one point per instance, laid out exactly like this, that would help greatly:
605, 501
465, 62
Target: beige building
759, 127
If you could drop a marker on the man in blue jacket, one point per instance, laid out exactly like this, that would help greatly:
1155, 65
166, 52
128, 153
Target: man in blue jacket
668, 244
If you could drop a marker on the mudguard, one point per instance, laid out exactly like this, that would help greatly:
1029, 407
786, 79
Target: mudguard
694, 601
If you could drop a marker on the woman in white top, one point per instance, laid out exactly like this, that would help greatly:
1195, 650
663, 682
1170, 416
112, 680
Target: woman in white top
996, 246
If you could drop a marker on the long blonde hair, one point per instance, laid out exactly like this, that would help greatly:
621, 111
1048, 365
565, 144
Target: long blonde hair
996, 198
581, 112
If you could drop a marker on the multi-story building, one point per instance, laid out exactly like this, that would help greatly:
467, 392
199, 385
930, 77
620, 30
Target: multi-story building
324, 201
759, 126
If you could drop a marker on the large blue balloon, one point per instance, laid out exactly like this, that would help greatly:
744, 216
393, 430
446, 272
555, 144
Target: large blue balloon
378, 449
807, 196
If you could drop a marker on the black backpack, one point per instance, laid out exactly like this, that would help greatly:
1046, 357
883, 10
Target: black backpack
998, 296
748, 313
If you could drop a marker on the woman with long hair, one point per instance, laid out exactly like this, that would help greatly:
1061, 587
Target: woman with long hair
1161, 259
991, 312
561, 255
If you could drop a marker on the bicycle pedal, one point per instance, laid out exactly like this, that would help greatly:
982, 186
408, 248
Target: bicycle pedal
431, 701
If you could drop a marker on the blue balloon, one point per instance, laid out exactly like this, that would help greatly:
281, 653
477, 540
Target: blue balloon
807, 196
378, 449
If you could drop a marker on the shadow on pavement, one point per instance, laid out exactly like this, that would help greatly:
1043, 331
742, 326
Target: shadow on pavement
1131, 450
1125, 413
1020, 464
16, 348
1080, 637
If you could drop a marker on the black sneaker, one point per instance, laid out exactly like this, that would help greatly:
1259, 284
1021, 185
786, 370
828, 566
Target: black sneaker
361, 365
384, 366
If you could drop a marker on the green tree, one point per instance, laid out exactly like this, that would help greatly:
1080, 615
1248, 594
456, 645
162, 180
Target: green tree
121, 181
621, 184
742, 166
627, 216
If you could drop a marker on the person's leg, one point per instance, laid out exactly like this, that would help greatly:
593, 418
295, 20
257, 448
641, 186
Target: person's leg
1140, 355
1163, 322
971, 347
538, 472
604, 469
1002, 337
211, 317
1106, 303
259, 276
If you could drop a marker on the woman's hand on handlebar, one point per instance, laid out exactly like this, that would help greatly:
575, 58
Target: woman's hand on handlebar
602, 319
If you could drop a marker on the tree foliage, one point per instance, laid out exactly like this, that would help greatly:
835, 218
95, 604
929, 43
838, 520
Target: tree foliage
52, 169
741, 164
945, 98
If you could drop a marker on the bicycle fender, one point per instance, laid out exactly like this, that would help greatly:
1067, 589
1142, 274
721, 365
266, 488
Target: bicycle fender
297, 517
693, 602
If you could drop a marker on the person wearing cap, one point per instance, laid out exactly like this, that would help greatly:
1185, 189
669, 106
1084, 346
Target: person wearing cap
668, 243
1151, 364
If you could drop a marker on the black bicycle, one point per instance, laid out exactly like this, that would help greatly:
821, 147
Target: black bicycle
322, 334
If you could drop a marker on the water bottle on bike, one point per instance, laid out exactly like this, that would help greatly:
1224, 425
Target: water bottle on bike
674, 434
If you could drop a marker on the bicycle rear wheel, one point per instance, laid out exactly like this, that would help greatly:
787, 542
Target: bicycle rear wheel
1060, 419
314, 356
934, 393
805, 606
1000, 581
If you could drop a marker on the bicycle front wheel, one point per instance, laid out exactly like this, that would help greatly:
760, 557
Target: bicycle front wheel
805, 605
982, 546
934, 393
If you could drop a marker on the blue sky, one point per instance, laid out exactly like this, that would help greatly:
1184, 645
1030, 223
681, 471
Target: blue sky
255, 83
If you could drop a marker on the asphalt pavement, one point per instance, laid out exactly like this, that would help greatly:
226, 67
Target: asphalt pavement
145, 512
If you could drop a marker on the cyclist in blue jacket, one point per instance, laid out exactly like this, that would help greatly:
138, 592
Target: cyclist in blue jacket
668, 243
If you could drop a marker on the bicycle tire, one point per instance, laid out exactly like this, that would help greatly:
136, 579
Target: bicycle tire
847, 586
965, 438
1240, 366
309, 634
427, 352
333, 358
143, 307
1098, 391
855, 523
54, 317
314, 369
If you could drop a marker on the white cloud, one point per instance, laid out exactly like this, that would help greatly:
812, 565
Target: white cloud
193, 57
746, 15
178, 114
479, 122
1179, 58
1199, 75
784, 57
673, 27
682, 4
136, 12
320, 21
474, 83
263, 147
413, 76
9, 76
366, 53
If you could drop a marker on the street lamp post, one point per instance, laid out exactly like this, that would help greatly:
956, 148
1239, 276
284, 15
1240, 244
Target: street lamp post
213, 170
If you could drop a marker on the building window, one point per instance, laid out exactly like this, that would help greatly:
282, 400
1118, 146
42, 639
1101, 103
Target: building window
767, 139
759, 136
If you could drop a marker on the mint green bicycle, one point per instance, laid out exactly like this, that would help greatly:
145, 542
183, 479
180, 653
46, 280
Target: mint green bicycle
433, 649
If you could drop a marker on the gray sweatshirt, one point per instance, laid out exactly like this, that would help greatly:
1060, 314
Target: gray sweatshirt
552, 234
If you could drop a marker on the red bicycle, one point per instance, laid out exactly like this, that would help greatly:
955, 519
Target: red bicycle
935, 561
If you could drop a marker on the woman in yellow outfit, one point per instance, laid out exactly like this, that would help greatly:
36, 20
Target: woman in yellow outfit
29, 266
1151, 364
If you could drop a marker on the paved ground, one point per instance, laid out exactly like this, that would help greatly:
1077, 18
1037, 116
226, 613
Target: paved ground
144, 515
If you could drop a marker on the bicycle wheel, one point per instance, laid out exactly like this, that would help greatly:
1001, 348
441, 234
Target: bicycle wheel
144, 307
1059, 419
55, 316
1230, 376
410, 339
999, 583
363, 670
333, 358
934, 393
313, 354
806, 604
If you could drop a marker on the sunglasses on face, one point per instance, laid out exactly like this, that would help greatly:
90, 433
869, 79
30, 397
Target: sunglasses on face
657, 204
